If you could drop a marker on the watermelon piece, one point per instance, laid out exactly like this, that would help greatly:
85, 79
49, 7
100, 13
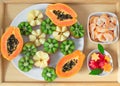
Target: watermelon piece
93, 64
101, 63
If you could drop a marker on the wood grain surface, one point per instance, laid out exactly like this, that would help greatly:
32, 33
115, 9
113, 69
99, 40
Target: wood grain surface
63, 1
10, 76
60, 84
1, 31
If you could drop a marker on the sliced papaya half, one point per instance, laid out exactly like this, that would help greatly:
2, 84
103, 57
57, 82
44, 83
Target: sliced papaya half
11, 43
61, 14
70, 64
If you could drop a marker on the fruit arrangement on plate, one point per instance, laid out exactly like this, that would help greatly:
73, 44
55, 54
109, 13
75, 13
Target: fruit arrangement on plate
54, 32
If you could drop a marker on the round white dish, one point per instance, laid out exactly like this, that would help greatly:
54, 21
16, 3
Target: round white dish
106, 53
35, 73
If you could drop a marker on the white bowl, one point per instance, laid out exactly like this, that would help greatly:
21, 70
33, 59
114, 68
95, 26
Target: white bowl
106, 53
98, 14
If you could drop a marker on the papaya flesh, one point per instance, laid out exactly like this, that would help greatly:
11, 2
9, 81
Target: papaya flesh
70, 64
61, 14
11, 43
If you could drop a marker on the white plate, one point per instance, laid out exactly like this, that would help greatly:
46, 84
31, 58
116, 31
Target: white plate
35, 73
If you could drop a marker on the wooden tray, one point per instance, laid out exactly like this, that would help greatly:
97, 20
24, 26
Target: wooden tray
10, 76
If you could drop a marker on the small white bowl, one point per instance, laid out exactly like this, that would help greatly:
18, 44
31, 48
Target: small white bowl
98, 14
106, 53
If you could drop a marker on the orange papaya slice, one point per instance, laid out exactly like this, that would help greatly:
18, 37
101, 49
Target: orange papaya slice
70, 64
11, 43
61, 14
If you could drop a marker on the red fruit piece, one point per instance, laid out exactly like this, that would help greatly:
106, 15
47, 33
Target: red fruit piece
48, 61
93, 64
101, 56
101, 63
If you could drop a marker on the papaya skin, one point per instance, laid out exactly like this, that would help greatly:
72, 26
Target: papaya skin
75, 55
16, 32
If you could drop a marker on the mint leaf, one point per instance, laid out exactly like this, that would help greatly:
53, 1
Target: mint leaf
100, 48
96, 71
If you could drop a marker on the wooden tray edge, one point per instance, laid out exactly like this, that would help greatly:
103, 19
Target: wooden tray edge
1, 31
118, 9
62, 1
60, 84
118, 14
2, 83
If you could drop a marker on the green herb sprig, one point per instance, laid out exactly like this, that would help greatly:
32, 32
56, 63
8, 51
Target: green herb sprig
101, 48
96, 71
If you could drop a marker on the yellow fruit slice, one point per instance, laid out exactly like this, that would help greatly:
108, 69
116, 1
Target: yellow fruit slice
41, 59
61, 33
35, 17
107, 67
107, 58
95, 56
37, 37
